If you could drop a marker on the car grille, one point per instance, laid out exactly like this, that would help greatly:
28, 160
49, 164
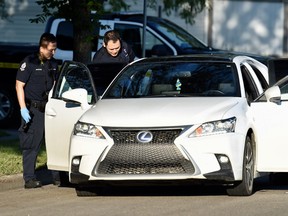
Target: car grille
129, 157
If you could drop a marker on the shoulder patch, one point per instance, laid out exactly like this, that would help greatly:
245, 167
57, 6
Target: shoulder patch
23, 66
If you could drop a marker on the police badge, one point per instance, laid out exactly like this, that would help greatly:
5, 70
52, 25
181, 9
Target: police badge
23, 66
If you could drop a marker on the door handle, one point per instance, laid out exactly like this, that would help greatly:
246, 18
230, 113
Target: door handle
51, 112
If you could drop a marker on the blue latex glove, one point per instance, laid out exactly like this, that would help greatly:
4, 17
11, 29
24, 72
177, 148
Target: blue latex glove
25, 114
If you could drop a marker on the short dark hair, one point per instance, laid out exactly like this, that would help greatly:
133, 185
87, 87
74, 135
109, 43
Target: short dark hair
46, 38
111, 35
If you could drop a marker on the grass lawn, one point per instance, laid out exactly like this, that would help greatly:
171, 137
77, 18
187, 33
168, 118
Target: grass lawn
11, 157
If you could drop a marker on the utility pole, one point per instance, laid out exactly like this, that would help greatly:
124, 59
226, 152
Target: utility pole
210, 23
285, 25
144, 28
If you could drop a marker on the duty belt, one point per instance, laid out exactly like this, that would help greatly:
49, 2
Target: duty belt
40, 105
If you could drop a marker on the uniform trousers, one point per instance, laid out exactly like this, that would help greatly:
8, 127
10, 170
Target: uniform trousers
30, 142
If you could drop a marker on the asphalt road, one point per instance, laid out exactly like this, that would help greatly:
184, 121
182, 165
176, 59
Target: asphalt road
268, 200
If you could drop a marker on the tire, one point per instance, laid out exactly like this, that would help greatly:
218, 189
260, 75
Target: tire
9, 110
245, 187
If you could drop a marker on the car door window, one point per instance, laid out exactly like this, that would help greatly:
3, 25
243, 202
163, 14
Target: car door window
133, 35
261, 78
284, 91
249, 85
75, 75
103, 74
65, 36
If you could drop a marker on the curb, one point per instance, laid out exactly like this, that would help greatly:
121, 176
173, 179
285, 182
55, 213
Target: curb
16, 181
9, 182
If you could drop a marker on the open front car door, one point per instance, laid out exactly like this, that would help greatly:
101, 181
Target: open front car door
62, 112
271, 118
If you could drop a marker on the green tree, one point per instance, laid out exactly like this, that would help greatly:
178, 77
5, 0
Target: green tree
79, 12
187, 9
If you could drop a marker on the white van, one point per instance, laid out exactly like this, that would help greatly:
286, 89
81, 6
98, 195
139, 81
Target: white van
162, 36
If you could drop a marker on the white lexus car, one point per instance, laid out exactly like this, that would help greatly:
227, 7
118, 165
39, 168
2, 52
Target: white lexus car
197, 117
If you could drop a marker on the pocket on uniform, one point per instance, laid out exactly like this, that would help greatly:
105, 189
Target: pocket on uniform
41, 107
26, 138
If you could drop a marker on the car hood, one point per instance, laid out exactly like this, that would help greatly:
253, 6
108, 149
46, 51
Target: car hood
158, 112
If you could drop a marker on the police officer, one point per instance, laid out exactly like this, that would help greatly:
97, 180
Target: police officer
34, 80
114, 50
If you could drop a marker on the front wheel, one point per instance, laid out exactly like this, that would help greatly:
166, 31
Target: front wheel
245, 187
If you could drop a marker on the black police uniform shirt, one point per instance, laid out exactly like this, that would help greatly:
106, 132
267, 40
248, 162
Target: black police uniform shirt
38, 76
125, 55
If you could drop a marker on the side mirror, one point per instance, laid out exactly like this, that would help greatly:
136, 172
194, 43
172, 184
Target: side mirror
273, 94
78, 95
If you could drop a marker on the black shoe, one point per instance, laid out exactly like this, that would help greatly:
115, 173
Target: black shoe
33, 183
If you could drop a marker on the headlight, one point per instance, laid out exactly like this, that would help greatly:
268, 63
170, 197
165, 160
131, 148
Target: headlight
87, 130
215, 127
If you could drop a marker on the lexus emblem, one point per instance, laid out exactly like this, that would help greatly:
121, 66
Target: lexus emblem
144, 136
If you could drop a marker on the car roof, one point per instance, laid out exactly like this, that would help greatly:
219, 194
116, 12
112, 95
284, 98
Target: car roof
193, 57
136, 17
123, 16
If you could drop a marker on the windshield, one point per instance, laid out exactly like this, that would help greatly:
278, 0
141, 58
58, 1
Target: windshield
170, 79
177, 35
